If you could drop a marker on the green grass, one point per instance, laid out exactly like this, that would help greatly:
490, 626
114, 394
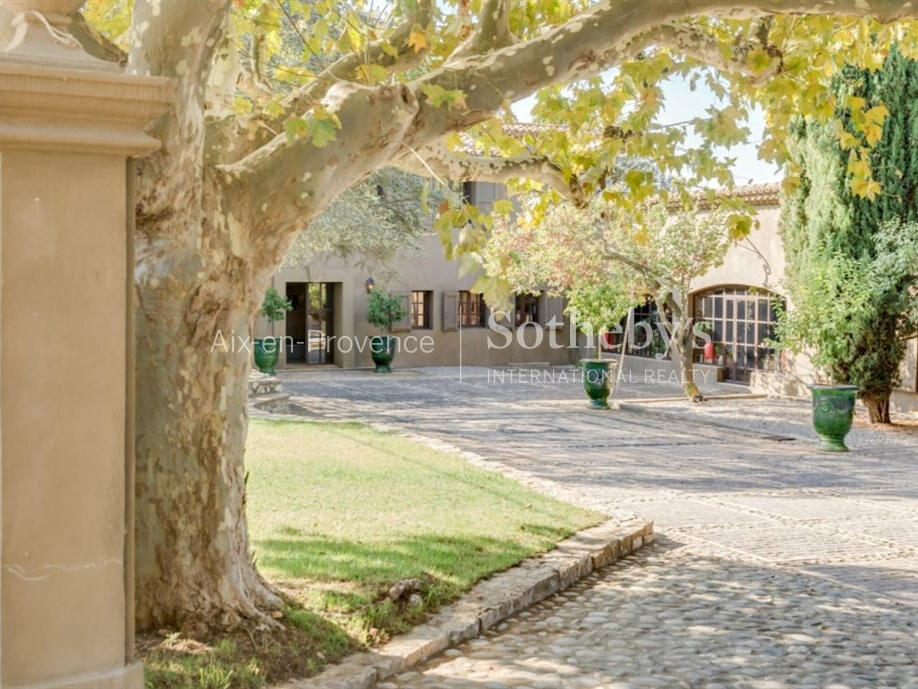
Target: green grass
340, 512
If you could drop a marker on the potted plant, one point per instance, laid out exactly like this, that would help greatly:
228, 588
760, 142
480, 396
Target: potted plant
273, 308
384, 310
596, 307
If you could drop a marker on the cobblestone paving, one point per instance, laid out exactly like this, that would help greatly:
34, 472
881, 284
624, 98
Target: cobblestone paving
777, 566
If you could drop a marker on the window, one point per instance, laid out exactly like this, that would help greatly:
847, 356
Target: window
647, 328
742, 321
472, 310
468, 190
527, 308
421, 311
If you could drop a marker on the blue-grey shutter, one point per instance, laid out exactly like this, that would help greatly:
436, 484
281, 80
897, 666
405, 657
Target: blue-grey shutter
404, 324
449, 319
553, 309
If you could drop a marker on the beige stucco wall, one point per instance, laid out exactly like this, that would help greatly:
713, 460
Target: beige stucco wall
765, 268
423, 268
757, 261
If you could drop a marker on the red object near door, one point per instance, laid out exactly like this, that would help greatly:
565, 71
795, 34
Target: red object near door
608, 341
709, 352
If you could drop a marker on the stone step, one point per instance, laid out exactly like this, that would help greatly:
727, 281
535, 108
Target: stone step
275, 402
262, 384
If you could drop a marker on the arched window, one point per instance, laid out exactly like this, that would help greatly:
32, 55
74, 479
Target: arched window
741, 320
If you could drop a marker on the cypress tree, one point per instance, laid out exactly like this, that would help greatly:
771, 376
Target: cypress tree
823, 218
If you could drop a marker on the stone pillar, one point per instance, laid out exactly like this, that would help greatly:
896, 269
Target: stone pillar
68, 125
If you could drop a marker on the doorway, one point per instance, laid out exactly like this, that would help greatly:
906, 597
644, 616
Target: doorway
742, 321
310, 323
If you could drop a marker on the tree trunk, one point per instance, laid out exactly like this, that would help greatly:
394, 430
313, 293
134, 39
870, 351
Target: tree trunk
687, 367
878, 407
681, 343
194, 569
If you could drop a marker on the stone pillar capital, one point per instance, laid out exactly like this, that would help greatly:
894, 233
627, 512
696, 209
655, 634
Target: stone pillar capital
41, 36
55, 96
53, 108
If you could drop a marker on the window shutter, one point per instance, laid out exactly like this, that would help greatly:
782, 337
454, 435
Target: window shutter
403, 324
554, 310
450, 317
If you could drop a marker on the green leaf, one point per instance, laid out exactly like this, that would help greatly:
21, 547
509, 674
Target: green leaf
322, 132
738, 226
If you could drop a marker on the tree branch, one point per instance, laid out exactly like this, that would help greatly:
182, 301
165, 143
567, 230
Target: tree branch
345, 67
292, 181
379, 124
439, 161
615, 255
691, 41
94, 42
592, 41
228, 144
176, 38
492, 31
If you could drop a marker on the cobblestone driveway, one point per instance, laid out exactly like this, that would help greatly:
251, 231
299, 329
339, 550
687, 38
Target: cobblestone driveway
776, 566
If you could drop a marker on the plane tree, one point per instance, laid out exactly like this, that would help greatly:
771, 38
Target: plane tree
280, 106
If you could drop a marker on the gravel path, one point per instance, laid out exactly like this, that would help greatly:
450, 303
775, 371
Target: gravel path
777, 566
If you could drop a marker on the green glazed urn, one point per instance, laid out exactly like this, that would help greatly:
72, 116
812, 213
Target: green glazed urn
382, 349
833, 412
598, 379
267, 350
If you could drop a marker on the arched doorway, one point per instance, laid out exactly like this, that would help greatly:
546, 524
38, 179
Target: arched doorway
742, 319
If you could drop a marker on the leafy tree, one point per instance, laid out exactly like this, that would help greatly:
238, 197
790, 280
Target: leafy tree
384, 310
831, 231
598, 307
369, 222
600, 253
274, 307
853, 315
280, 107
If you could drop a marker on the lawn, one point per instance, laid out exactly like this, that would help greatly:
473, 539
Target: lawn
337, 514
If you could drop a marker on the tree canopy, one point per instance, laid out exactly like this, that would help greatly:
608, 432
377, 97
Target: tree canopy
602, 252
371, 221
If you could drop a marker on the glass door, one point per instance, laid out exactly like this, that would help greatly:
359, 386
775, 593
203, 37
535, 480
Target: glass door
319, 322
741, 320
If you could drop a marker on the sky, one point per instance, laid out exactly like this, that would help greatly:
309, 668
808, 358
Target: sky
682, 103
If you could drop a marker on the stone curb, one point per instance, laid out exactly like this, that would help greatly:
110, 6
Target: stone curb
491, 600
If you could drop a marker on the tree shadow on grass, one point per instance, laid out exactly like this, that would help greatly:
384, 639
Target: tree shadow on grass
458, 561
349, 580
